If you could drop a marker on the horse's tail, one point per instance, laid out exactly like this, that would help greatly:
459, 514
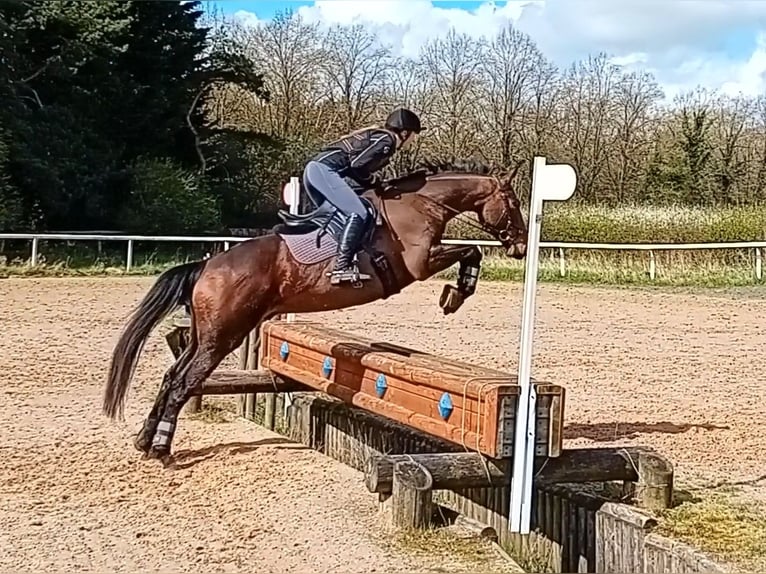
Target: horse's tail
172, 288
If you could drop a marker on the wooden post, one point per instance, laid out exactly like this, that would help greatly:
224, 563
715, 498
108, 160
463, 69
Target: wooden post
654, 490
269, 410
411, 497
243, 357
252, 363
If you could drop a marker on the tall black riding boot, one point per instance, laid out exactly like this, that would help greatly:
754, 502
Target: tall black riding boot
345, 267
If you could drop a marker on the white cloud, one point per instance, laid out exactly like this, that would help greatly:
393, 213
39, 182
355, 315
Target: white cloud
718, 44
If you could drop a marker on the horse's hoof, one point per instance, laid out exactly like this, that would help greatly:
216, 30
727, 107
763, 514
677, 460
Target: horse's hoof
158, 453
141, 444
168, 461
451, 299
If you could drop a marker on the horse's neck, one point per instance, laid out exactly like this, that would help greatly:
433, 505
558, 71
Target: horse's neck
462, 193
440, 199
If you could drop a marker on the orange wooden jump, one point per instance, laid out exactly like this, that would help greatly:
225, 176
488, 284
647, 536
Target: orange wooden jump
463, 403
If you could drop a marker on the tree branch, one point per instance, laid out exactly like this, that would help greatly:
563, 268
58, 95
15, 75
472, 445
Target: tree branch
197, 141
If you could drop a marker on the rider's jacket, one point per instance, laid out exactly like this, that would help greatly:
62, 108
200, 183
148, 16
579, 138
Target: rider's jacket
358, 155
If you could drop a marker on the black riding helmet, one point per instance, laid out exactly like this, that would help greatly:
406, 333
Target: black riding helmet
404, 119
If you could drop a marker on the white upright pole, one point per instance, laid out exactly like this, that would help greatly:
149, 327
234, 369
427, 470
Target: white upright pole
292, 197
553, 183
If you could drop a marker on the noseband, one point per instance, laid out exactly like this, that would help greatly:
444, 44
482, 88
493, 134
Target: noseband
505, 235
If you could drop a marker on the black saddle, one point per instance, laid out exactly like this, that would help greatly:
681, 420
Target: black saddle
326, 217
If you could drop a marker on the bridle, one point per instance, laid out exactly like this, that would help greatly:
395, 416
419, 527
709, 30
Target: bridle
504, 235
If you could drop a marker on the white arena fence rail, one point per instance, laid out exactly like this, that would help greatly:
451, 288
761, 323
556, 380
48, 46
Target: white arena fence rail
651, 248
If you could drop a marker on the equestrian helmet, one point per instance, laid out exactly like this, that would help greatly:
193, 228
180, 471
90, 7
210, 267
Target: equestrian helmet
404, 119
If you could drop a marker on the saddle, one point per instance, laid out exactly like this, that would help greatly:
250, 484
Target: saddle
327, 219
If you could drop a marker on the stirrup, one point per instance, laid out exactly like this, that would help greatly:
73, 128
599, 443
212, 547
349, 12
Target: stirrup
351, 274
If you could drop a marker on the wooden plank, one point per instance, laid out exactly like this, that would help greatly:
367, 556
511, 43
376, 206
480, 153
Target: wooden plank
460, 470
234, 382
408, 364
483, 399
392, 411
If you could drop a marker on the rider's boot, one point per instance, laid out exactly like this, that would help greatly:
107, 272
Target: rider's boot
345, 265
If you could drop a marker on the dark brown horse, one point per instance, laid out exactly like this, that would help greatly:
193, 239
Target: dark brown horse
233, 292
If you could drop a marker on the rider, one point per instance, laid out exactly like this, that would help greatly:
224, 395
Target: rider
344, 169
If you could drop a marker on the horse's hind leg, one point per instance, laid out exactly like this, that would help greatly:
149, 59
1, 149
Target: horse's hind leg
143, 440
210, 350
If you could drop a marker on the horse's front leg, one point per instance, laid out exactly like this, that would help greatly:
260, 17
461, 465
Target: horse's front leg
469, 257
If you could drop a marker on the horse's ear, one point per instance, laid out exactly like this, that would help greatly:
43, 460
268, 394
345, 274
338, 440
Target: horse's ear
506, 180
515, 170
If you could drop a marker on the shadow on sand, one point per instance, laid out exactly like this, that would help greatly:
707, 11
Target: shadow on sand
603, 432
191, 457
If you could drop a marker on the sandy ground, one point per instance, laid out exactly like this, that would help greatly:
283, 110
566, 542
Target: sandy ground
680, 372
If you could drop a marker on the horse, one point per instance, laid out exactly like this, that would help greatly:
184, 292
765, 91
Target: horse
286, 271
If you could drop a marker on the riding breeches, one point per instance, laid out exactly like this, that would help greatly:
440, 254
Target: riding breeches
319, 178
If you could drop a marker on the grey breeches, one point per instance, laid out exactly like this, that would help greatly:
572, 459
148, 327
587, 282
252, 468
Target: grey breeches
318, 178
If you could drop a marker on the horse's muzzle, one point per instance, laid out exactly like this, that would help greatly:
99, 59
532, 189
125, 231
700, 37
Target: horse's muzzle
517, 250
515, 247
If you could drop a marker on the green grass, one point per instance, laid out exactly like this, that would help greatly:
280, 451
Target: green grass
563, 222
722, 526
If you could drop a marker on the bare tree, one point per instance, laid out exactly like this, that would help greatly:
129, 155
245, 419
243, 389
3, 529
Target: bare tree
730, 116
452, 65
586, 120
512, 67
636, 97
290, 55
408, 86
355, 69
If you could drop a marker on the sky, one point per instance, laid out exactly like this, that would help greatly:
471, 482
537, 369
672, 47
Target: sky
718, 44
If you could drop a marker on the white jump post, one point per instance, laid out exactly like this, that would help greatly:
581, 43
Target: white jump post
291, 195
549, 183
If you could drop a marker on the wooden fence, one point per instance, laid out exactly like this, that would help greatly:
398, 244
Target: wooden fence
574, 529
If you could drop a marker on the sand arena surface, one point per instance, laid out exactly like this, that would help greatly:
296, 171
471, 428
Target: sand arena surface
678, 371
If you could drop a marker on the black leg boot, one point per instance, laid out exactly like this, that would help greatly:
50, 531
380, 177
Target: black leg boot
345, 265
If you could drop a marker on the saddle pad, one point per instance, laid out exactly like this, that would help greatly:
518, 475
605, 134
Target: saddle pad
304, 247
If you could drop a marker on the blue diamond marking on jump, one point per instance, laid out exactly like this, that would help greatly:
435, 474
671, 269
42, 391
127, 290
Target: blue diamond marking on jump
445, 406
381, 385
284, 350
327, 366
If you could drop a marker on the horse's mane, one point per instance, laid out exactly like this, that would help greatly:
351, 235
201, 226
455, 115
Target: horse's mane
469, 166
433, 167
